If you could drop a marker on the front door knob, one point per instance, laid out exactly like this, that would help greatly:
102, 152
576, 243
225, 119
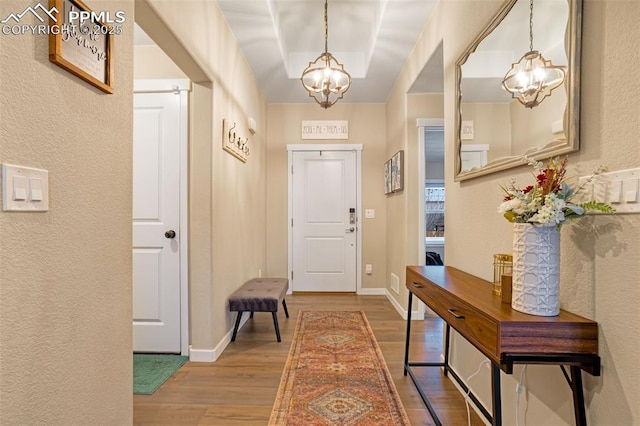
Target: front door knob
170, 234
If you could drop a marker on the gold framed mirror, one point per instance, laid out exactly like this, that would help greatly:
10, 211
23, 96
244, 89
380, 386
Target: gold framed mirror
493, 130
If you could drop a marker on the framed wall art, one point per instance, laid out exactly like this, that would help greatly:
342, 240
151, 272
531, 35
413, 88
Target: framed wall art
387, 177
394, 173
82, 47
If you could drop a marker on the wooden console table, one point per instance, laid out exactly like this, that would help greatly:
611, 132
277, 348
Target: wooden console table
503, 335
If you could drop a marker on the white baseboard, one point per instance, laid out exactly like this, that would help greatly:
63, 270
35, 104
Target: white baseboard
212, 355
415, 315
203, 355
372, 292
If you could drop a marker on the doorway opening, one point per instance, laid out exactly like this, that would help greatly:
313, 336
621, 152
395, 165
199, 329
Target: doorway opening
431, 204
163, 69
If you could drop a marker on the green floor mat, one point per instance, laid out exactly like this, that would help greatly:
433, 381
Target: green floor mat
151, 371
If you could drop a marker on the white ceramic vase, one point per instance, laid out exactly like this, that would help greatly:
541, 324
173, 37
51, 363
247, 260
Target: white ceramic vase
536, 269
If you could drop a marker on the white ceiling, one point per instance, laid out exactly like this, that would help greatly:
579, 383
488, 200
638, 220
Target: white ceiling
371, 38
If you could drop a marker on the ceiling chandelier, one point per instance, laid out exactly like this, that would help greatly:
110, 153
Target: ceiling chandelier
532, 78
325, 78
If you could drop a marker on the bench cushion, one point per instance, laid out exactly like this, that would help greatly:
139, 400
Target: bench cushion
259, 295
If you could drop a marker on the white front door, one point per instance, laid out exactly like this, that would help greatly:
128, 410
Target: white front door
156, 223
324, 224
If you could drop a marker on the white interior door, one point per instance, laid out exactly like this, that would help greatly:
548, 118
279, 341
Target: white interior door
156, 223
324, 224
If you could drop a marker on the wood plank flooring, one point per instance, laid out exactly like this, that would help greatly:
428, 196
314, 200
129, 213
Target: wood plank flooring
241, 386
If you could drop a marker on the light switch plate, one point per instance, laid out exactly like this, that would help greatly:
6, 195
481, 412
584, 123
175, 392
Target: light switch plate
26, 176
619, 188
369, 213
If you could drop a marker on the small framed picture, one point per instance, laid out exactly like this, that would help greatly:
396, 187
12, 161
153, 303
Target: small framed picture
394, 173
387, 177
397, 171
82, 47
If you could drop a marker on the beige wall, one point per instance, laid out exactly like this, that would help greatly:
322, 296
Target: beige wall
507, 129
600, 255
524, 135
151, 62
227, 197
65, 274
366, 127
491, 126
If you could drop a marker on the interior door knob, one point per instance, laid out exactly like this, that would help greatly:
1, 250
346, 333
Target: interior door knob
352, 229
170, 234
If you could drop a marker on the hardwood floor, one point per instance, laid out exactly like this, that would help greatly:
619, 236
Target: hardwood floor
241, 386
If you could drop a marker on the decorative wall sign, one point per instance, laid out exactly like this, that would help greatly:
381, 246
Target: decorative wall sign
232, 142
82, 47
466, 131
323, 129
394, 173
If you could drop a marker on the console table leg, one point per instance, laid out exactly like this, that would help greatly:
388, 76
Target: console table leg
406, 343
447, 333
578, 396
495, 393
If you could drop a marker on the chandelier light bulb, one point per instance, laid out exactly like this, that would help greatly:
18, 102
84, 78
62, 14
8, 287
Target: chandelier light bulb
532, 79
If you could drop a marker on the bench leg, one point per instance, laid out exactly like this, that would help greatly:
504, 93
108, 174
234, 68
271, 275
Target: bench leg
251, 316
275, 324
284, 305
235, 329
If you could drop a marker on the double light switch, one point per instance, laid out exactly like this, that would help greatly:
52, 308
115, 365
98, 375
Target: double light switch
24, 188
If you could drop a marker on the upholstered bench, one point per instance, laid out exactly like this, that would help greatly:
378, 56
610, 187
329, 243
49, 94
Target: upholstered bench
259, 295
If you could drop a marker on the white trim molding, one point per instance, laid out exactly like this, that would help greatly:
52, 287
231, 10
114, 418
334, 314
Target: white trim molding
161, 85
415, 315
203, 355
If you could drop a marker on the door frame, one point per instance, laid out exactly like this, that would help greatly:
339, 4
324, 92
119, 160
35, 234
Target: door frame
357, 148
181, 88
422, 124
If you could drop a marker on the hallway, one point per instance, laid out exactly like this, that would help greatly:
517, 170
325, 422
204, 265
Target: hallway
241, 386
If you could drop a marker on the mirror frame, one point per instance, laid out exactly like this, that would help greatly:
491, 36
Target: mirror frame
571, 119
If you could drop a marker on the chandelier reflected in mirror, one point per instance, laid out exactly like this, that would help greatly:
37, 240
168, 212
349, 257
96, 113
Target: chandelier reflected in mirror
325, 78
532, 78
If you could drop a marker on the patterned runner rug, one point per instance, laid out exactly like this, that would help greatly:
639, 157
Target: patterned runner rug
336, 375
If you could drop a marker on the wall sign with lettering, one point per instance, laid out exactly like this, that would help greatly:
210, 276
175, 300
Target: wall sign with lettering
233, 142
81, 43
320, 129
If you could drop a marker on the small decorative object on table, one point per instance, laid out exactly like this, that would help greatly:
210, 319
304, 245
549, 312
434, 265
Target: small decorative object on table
506, 289
537, 212
501, 266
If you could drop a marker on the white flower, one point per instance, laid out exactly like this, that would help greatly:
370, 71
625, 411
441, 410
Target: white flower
510, 205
